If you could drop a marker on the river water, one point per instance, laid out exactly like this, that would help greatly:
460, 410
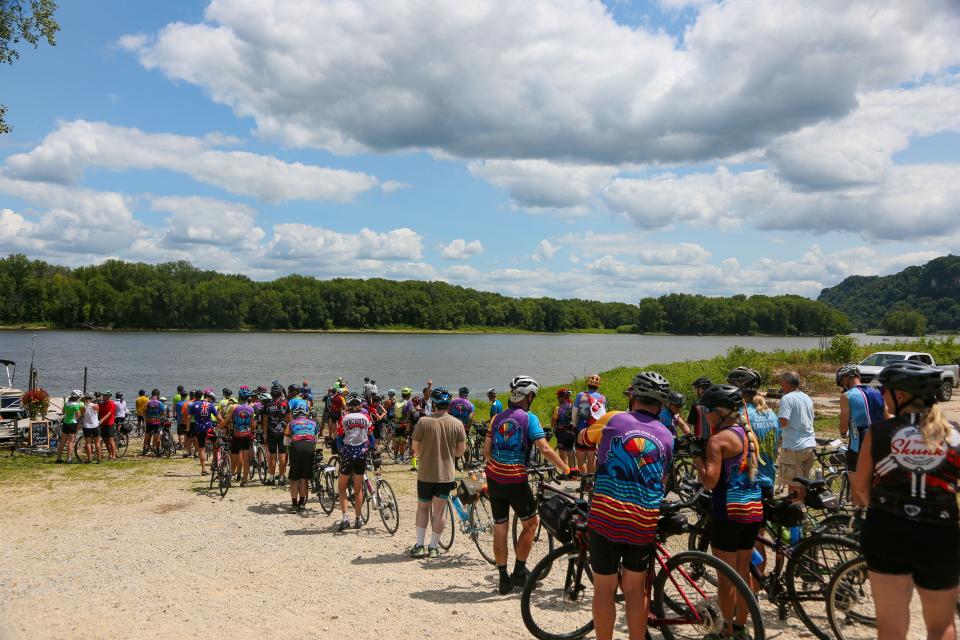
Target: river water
129, 361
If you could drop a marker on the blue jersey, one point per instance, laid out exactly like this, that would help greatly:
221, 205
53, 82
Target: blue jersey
155, 412
178, 410
666, 419
591, 405
766, 426
303, 429
866, 407
203, 413
495, 407
512, 433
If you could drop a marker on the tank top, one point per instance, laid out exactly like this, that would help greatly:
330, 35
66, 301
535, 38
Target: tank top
736, 498
242, 419
866, 407
91, 419
911, 479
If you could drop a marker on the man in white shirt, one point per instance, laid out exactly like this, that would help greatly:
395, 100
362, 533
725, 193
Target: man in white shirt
797, 439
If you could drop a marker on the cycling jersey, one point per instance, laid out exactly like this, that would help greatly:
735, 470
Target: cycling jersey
912, 479
512, 433
390, 406
141, 405
495, 407
293, 403
224, 404
865, 405
242, 419
461, 409
634, 451
766, 426
276, 411
178, 411
354, 435
666, 419
303, 429
563, 416
591, 405
736, 498
155, 412
203, 414
71, 412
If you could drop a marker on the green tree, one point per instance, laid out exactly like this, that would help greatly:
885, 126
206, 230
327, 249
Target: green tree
903, 322
26, 21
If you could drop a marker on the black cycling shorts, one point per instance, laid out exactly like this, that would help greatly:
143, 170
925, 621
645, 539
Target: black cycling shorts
852, 457
515, 495
607, 556
353, 466
427, 491
201, 437
930, 553
275, 442
301, 459
91, 433
69, 428
181, 429
153, 428
107, 431
238, 444
733, 536
565, 440
377, 430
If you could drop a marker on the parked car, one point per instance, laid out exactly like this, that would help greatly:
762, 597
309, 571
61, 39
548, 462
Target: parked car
873, 364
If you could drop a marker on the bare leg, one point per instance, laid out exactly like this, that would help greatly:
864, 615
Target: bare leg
637, 603
891, 598
938, 610
604, 605
525, 540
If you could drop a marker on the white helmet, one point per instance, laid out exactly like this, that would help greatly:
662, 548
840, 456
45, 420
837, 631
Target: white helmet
521, 387
76, 393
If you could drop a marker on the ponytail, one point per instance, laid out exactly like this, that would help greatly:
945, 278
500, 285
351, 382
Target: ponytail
933, 426
752, 444
760, 403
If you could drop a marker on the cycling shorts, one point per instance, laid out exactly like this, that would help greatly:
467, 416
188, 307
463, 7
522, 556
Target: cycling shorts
91, 433
895, 546
427, 491
69, 428
733, 536
275, 442
201, 437
353, 466
852, 458
239, 443
377, 430
181, 429
301, 459
517, 496
108, 431
565, 440
606, 556
153, 428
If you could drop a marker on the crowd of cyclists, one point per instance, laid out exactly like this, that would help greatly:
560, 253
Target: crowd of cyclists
902, 464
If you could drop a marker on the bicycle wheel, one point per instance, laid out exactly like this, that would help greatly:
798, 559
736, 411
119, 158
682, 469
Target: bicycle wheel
226, 476
79, 449
260, 460
389, 507
685, 597
123, 441
850, 607
837, 524
543, 542
811, 565
481, 527
364, 506
557, 599
449, 528
215, 468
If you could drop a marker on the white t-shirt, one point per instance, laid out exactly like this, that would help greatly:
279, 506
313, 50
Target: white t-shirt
121, 411
91, 419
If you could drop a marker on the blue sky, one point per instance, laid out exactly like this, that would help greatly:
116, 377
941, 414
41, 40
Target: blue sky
562, 147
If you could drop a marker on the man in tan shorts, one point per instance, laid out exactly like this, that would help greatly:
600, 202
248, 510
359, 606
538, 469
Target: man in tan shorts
798, 441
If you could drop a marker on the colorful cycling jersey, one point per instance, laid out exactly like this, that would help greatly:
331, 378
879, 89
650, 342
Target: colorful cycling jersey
155, 412
563, 417
276, 411
865, 405
409, 412
71, 411
495, 407
178, 411
303, 429
512, 433
242, 419
666, 419
591, 405
461, 409
293, 403
354, 435
203, 413
766, 426
736, 498
225, 404
634, 451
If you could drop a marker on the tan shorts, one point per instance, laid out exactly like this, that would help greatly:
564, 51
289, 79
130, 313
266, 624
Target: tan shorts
795, 464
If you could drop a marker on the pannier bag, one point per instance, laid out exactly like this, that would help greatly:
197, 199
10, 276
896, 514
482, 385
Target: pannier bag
470, 487
557, 515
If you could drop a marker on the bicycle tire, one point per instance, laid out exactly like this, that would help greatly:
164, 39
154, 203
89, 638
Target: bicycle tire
837, 524
364, 505
215, 468
261, 462
123, 441
449, 528
481, 527
813, 562
848, 589
662, 604
543, 603
80, 450
327, 495
389, 507
543, 542
226, 477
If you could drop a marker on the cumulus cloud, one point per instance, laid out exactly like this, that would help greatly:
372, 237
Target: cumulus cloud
310, 245
65, 154
550, 79
460, 249
545, 251
208, 221
540, 184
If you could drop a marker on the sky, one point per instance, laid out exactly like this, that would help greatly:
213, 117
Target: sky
568, 148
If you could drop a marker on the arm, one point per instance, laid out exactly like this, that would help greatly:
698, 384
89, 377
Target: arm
415, 443
462, 441
709, 469
844, 414
860, 488
547, 451
681, 424
553, 418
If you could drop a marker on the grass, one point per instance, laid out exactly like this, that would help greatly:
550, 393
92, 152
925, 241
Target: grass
24, 469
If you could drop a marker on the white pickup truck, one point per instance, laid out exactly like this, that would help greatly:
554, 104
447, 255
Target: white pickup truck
873, 364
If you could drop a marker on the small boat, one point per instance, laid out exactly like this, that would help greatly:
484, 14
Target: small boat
11, 407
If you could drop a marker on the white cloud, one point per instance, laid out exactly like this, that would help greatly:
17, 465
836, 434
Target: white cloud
66, 153
540, 184
209, 221
545, 251
460, 249
310, 245
553, 79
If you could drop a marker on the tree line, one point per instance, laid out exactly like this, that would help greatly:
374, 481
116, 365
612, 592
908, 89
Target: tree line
176, 295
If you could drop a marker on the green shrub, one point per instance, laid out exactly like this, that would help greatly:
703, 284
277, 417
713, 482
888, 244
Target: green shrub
843, 349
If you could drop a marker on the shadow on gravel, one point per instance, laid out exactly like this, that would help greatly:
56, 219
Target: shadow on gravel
459, 560
305, 532
478, 592
270, 509
383, 558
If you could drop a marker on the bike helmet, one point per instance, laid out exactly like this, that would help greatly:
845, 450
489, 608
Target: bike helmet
354, 399
276, 390
76, 393
593, 380
702, 383
391, 392
244, 392
209, 395
724, 396
675, 397
227, 392
745, 378
264, 397
294, 390
162, 398
845, 371
198, 393
649, 385
463, 392
377, 397
491, 392
441, 397
261, 389
521, 387
563, 392
406, 391
918, 380
299, 410
107, 393
208, 391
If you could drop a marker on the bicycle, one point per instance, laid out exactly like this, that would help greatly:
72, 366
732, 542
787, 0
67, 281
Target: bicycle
469, 510
556, 603
324, 480
831, 455
380, 496
258, 459
543, 542
221, 473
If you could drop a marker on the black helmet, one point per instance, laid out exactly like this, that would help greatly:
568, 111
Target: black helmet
650, 385
293, 390
675, 397
377, 397
726, 396
491, 391
276, 390
464, 392
702, 383
745, 378
227, 392
440, 397
919, 380
845, 371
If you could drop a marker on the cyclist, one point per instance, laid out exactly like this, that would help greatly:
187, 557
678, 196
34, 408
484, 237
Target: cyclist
367, 390
188, 422
403, 425
121, 414
338, 405
180, 416
696, 419
670, 414
377, 414
91, 428
729, 470
226, 401
634, 454
238, 420
763, 422
106, 412
325, 416
562, 423
860, 406
273, 424
153, 415
512, 435
908, 472
141, 406
71, 414
354, 439
418, 411
306, 392
302, 432
202, 412
590, 406
438, 440
390, 406
495, 405
461, 408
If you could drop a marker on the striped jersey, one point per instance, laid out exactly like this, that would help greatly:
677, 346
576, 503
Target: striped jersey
512, 433
736, 498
